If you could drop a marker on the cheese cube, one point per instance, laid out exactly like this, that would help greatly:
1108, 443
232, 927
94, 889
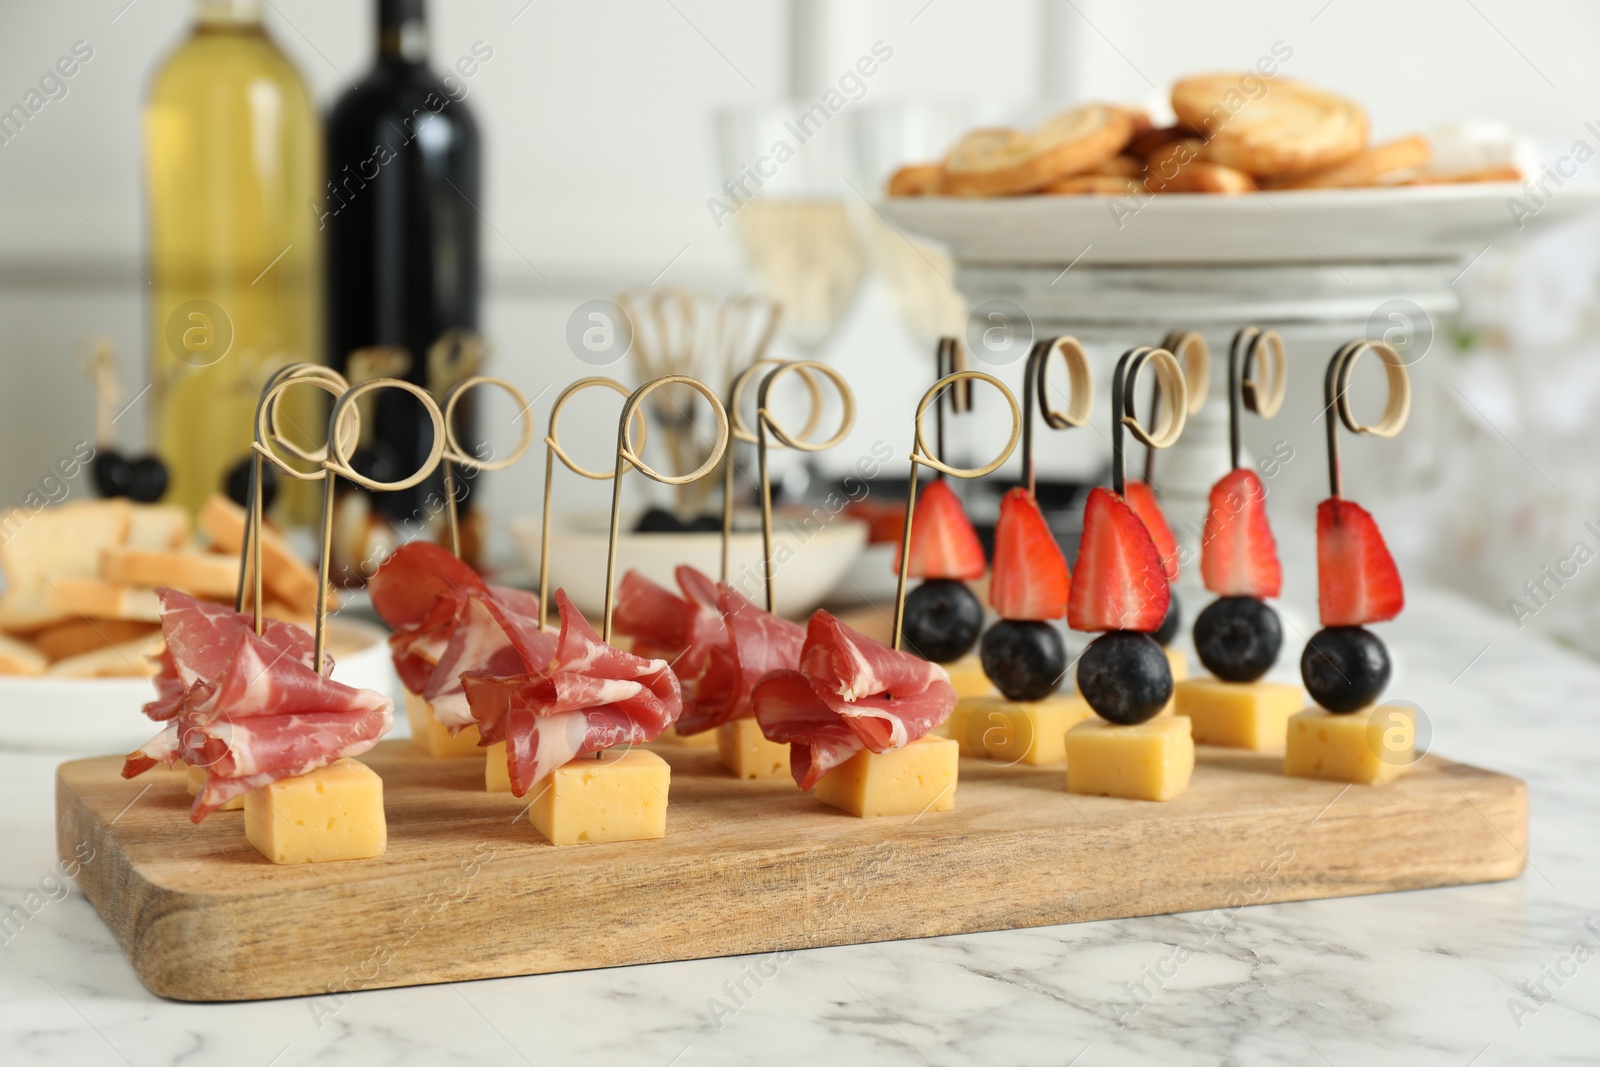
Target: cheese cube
1370, 747
428, 736
196, 780
1032, 732
1253, 715
1151, 761
621, 796
704, 739
966, 674
748, 754
905, 781
332, 813
1178, 662
496, 775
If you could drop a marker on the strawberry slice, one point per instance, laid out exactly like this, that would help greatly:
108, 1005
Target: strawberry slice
1120, 584
1141, 497
1031, 580
943, 542
1238, 556
1357, 581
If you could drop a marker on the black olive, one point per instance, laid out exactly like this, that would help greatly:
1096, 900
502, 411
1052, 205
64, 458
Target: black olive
706, 524
943, 620
237, 484
1238, 638
659, 520
112, 473
1024, 660
379, 461
1169, 625
147, 479
1125, 677
1344, 668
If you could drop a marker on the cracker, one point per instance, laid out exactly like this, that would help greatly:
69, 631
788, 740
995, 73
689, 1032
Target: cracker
1005, 162
1269, 128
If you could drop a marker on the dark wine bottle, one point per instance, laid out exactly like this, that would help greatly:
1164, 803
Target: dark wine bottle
401, 222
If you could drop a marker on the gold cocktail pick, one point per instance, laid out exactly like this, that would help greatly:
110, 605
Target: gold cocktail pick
741, 432
1336, 396
1258, 373
454, 455
628, 456
1036, 388
553, 451
1194, 357
922, 457
1174, 408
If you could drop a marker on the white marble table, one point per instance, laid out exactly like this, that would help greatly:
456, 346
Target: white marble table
1450, 977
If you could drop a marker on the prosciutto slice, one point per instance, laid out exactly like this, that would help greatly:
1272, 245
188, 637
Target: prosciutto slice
448, 620
664, 625
756, 642
589, 696
250, 709
850, 693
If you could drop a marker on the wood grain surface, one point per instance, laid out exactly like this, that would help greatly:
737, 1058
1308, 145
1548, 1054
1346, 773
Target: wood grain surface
470, 890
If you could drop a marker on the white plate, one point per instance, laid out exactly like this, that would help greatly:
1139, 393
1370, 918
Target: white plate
1308, 226
813, 562
94, 716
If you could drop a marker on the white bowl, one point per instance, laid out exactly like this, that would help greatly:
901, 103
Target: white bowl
92, 716
812, 558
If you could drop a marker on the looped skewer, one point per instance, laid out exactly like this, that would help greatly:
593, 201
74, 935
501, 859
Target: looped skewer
950, 358
741, 431
1174, 412
767, 423
921, 457
1336, 395
267, 433
455, 455
628, 456
337, 465
1258, 372
1194, 356
1036, 389
554, 451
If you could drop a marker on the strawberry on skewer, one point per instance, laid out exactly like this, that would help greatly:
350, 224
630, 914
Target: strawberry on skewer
943, 617
1022, 653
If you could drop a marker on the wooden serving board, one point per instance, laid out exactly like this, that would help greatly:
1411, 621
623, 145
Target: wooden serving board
469, 890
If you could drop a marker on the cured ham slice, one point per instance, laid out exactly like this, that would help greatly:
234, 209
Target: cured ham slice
850, 693
756, 642
588, 697
446, 620
663, 625
250, 709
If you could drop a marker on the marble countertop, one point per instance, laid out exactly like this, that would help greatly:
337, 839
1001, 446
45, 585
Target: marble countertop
1482, 975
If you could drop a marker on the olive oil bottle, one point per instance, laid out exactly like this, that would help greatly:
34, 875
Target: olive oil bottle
233, 165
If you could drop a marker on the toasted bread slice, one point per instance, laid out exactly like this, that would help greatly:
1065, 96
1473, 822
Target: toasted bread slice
196, 573
19, 657
1003, 162
1269, 128
93, 598
53, 543
284, 574
134, 659
157, 526
63, 640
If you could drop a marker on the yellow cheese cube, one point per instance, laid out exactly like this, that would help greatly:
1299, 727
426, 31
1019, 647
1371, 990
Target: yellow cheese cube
332, 813
196, 780
966, 674
1253, 715
1032, 732
428, 736
703, 739
496, 775
1368, 747
748, 754
621, 796
906, 781
1178, 662
1151, 761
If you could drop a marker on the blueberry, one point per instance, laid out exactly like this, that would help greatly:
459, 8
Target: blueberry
112, 473
943, 620
1024, 660
659, 520
1125, 677
1344, 668
237, 485
1238, 638
1170, 624
147, 480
